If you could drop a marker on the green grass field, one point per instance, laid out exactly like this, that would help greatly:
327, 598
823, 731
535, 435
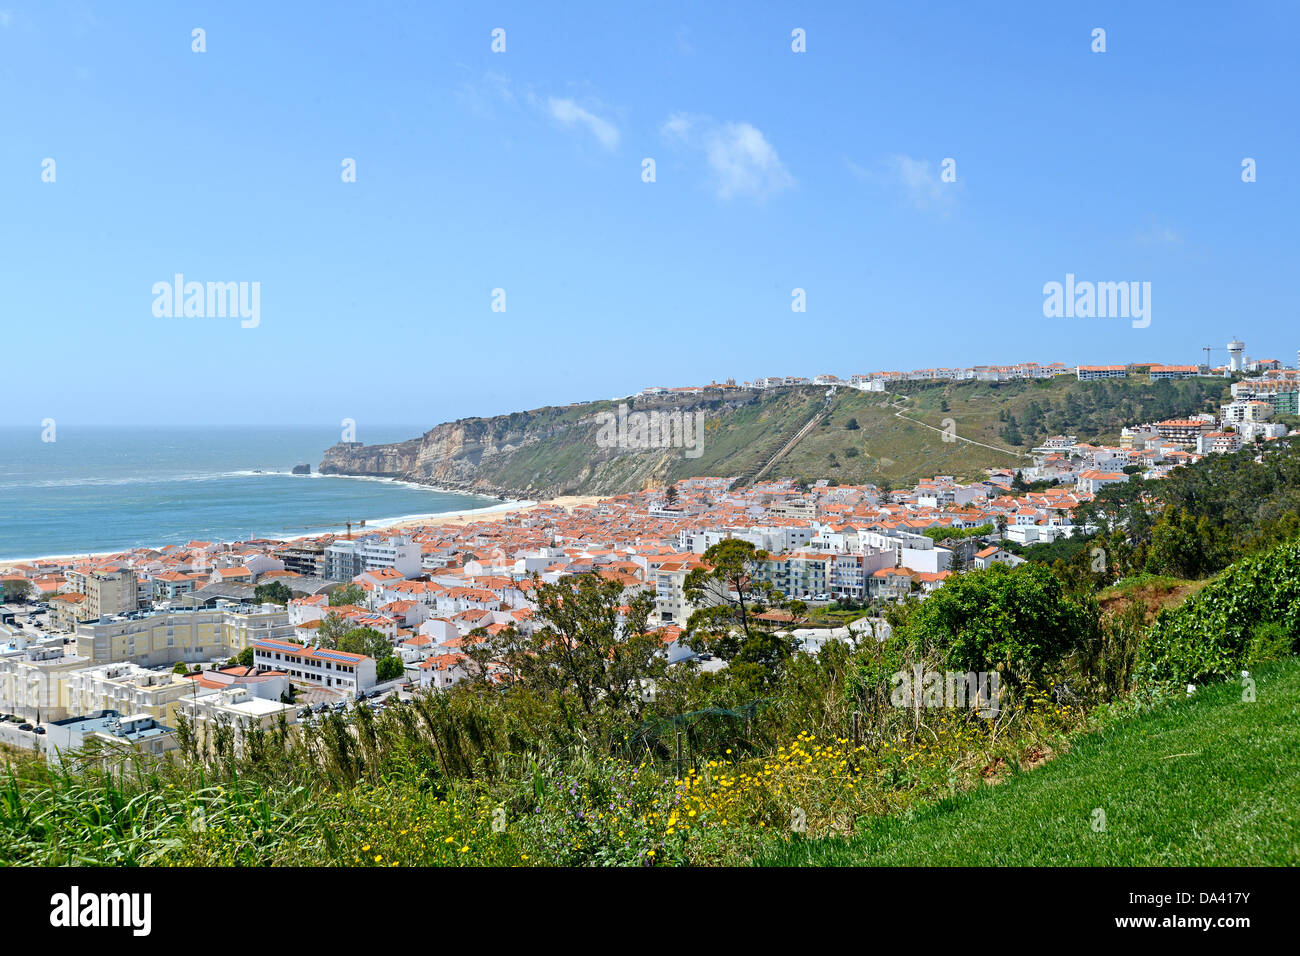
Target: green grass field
1208, 781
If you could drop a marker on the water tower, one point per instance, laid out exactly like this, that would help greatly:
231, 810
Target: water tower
1236, 348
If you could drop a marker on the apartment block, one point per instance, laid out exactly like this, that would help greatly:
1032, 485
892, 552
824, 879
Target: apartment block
1090, 373
157, 638
1183, 431
111, 592
126, 688
33, 681
334, 669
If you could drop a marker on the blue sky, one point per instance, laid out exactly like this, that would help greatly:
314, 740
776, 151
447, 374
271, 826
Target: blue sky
522, 170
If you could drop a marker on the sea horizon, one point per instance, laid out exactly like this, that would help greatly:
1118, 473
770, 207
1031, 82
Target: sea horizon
102, 489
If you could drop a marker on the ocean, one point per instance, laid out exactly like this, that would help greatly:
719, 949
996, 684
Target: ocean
97, 489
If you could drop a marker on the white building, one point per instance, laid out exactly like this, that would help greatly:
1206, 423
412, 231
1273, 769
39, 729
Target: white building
126, 688
339, 670
142, 731
33, 681
192, 635
237, 709
1090, 373
398, 552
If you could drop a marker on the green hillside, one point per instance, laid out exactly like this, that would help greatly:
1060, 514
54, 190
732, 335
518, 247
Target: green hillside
1210, 781
892, 443
916, 430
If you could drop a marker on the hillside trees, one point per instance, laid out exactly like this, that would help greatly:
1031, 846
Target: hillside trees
1018, 621
729, 596
589, 656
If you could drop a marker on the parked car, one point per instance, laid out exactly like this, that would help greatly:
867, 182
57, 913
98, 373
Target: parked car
39, 730
24, 726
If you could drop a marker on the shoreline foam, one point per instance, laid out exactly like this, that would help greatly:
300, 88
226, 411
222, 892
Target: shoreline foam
461, 518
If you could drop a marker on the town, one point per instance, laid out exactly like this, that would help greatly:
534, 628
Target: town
229, 634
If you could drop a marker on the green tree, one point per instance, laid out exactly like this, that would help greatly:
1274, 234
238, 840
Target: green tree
15, 590
347, 594
1011, 432
589, 656
729, 596
389, 667
1185, 546
851, 425
331, 628
273, 592
365, 640
1018, 621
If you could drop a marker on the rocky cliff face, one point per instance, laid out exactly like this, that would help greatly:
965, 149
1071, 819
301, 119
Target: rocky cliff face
536, 454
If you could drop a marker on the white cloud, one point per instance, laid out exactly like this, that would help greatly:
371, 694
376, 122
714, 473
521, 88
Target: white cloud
919, 179
739, 156
1157, 233
570, 114
916, 180
678, 126
487, 94
483, 95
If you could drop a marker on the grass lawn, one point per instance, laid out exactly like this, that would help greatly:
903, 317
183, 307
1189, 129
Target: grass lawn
1208, 781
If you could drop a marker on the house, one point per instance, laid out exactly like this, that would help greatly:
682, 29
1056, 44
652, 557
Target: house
143, 732
1093, 481
236, 708
349, 673
441, 671
994, 555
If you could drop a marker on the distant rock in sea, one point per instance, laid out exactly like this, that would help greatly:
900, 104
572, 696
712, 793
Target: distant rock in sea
302, 469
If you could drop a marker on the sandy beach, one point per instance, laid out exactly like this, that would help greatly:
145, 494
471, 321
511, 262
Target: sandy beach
404, 523
480, 515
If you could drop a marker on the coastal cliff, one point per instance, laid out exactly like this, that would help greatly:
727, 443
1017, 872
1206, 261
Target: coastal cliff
551, 451
895, 436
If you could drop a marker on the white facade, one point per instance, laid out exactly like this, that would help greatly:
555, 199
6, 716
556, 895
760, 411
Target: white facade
398, 552
238, 709
339, 670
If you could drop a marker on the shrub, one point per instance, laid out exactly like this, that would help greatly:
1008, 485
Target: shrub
1253, 607
1019, 621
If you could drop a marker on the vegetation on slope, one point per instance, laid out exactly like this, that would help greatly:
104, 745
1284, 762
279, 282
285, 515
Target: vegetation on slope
1250, 612
885, 438
593, 752
1189, 525
1209, 781
1020, 414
